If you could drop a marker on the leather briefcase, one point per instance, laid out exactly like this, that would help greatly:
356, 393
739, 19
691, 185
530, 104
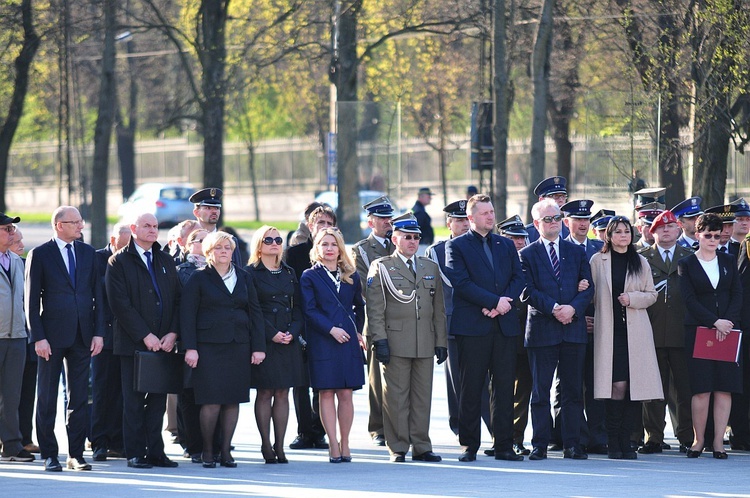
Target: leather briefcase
158, 372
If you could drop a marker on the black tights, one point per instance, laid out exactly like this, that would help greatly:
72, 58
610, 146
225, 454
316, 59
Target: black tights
210, 415
272, 404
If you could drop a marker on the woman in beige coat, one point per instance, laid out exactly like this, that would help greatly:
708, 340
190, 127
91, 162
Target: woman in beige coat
625, 367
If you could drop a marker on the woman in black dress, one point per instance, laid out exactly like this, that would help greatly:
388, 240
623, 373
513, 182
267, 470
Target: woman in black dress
712, 292
279, 296
222, 332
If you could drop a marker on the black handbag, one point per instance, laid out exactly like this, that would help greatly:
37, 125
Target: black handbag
158, 372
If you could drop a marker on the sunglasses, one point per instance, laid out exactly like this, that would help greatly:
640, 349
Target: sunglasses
270, 240
709, 236
412, 237
550, 219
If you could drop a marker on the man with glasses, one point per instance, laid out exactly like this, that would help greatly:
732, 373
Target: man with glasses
65, 315
12, 344
106, 388
406, 321
487, 280
556, 328
554, 188
310, 431
376, 245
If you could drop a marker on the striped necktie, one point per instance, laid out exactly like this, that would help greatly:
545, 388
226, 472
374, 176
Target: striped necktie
555, 261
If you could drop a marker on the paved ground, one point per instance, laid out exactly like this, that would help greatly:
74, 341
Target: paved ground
371, 474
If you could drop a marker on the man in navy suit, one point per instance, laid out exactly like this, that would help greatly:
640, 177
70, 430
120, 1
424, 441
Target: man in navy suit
487, 278
556, 328
577, 219
65, 317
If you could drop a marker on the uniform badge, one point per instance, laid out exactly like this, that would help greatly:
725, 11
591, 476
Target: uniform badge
429, 277
369, 281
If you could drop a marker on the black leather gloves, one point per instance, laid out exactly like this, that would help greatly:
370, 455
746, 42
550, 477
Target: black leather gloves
382, 351
442, 354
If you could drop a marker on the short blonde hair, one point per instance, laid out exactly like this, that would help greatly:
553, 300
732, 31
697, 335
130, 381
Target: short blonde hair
344, 261
257, 243
212, 240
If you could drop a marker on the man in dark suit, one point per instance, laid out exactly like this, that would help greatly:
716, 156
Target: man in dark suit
577, 219
65, 317
556, 328
554, 188
106, 389
143, 291
424, 198
310, 432
669, 337
487, 279
738, 418
376, 245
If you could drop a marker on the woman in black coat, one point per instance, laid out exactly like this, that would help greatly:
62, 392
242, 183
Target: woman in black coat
194, 259
279, 296
712, 292
222, 332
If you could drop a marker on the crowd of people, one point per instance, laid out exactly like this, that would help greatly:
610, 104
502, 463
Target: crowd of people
585, 323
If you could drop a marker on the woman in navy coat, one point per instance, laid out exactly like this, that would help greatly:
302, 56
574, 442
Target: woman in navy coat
334, 312
712, 291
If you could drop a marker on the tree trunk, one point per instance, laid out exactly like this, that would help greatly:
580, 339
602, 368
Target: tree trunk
346, 95
213, 18
126, 133
560, 127
502, 99
540, 79
20, 86
103, 130
710, 154
253, 183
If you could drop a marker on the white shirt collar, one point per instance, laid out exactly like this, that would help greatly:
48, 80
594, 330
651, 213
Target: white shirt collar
405, 260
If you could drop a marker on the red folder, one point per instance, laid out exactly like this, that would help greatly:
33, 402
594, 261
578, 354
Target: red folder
707, 347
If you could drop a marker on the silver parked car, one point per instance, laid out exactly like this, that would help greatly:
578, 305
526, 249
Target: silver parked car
169, 202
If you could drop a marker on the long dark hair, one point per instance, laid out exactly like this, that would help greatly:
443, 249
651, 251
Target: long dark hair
633, 266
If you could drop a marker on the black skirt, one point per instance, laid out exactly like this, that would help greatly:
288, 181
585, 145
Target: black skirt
223, 374
708, 375
283, 367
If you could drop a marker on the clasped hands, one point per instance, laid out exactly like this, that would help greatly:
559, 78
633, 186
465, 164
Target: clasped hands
723, 327
503, 306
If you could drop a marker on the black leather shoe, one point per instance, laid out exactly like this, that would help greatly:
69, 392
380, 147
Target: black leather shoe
78, 463
692, 453
598, 449
120, 453
574, 453
468, 456
100, 455
320, 443
230, 464
139, 463
649, 448
378, 440
427, 456
720, 455
538, 454
398, 457
490, 452
520, 449
555, 447
301, 443
162, 461
665, 446
508, 455
52, 464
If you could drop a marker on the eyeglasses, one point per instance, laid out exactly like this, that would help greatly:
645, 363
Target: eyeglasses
10, 228
709, 236
76, 222
412, 237
270, 240
550, 219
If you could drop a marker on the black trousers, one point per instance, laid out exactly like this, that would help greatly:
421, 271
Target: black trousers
28, 397
106, 408
477, 356
142, 416
76, 360
452, 382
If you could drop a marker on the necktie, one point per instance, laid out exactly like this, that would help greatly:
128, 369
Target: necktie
5, 261
667, 259
555, 261
152, 273
410, 264
723, 249
71, 264
488, 251
387, 245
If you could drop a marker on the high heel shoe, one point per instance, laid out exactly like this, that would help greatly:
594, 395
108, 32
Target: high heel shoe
720, 455
208, 463
337, 459
280, 456
693, 453
346, 459
268, 455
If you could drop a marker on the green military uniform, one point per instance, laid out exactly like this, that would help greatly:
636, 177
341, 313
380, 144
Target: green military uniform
669, 339
408, 311
365, 252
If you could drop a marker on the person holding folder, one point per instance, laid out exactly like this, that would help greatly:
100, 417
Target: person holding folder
712, 292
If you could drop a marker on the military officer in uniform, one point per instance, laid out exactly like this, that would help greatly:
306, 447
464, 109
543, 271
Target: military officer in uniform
207, 211
687, 213
646, 215
364, 252
599, 223
406, 323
